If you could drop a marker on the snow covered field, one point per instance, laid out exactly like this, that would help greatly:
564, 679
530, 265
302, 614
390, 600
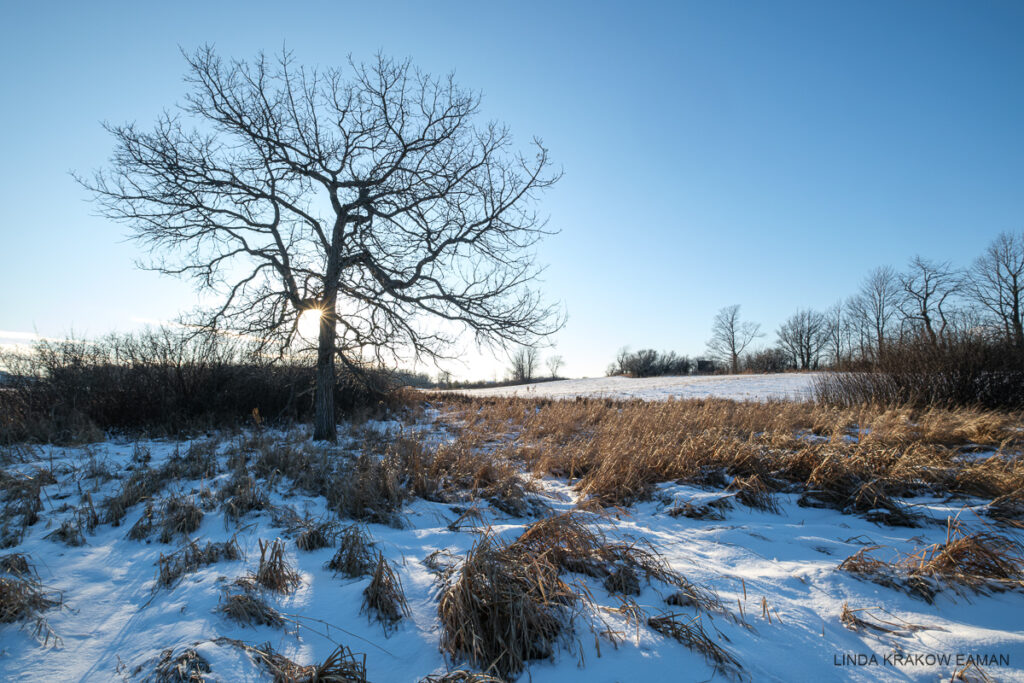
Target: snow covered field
780, 594
785, 386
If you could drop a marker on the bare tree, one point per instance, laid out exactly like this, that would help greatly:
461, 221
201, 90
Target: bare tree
370, 198
730, 336
928, 291
555, 364
524, 361
803, 336
875, 306
837, 333
996, 281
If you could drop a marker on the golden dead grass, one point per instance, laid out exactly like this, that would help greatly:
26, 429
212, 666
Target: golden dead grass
508, 603
850, 458
979, 562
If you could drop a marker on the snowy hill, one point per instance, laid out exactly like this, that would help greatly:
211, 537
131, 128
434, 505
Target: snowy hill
790, 386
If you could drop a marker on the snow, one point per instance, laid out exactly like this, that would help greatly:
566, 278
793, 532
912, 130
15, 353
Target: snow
778, 387
115, 620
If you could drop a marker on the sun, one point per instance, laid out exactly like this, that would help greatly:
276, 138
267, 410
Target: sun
309, 324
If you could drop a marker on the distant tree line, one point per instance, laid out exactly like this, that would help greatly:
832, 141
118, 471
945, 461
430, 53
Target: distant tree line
930, 319
650, 363
928, 303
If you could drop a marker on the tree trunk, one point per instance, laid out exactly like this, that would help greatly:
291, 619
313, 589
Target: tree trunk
1018, 324
325, 427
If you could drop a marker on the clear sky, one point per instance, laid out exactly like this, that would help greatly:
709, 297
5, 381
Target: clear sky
760, 153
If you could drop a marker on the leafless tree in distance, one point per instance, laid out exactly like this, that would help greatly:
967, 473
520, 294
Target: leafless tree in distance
837, 333
369, 197
875, 306
555, 364
731, 336
524, 363
928, 292
996, 282
803, 336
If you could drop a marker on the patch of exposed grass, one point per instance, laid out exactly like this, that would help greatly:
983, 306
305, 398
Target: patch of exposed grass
460, 676
241, 495
341, 666
505, 607
355, 555
274, 571
191, 557
384, 598
180, 517
23, 598
976, 562
188, 666
858, 460
249, 609
690, 632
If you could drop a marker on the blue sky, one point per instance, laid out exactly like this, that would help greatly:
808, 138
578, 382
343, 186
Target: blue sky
767, 154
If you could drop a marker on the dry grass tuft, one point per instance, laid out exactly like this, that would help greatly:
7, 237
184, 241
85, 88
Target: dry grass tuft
461, 676
142, 484
187, 667
180, 516
623, 580
355, 555
887, 574
979, 561
698, 597
690, 632
506, 606
23, 598
241, 495
198, 462
971, 673
274, 571
15, 563
469, 517
713, 510
753, 492
573, 545
22, 498
249, 609
384, 597
1009, 506
863, 620
191, 557
341, 666
871, 500
373, 488
309, 534
568, 542
69, 533
142, 528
